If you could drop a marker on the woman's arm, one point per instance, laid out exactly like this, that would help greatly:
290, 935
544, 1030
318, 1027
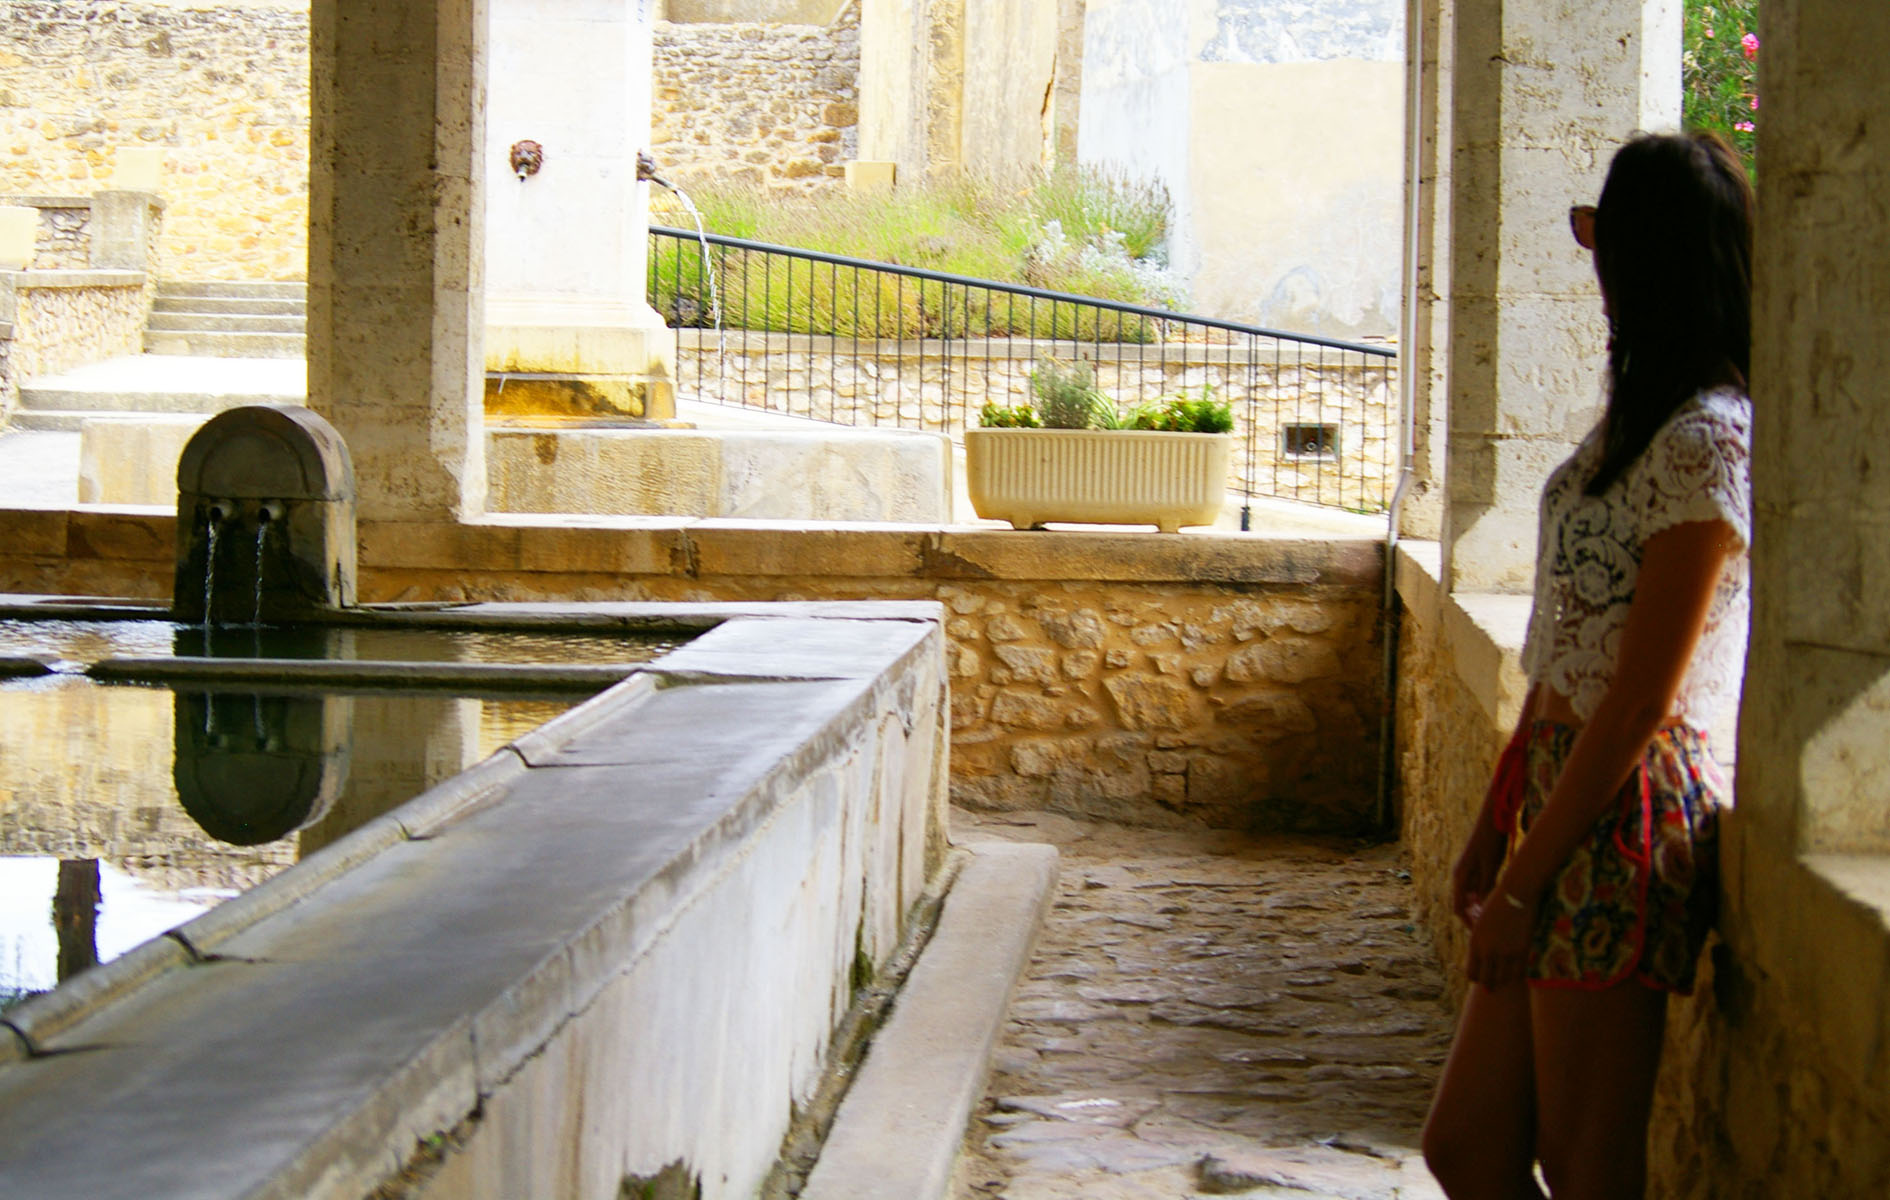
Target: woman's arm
1680, 569
1483, 851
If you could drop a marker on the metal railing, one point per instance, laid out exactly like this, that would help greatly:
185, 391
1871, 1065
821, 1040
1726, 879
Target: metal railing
861, 343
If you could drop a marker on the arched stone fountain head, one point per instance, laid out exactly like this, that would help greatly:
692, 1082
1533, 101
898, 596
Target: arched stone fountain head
265, 518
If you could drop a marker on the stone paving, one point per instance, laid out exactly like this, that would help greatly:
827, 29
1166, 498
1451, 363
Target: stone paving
1209, 1014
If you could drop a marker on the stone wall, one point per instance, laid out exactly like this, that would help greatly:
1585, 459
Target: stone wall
1220, 679
903, 384
1459, 695
69, 318
224, 90
64, 242
776, 106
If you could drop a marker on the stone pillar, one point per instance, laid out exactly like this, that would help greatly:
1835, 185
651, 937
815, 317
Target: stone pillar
1542, 92
1813, 757
1424, 339
123, 225
912, 66
395, 221
567, 316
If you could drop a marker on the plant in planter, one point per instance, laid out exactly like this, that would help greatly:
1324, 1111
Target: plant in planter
1072, 456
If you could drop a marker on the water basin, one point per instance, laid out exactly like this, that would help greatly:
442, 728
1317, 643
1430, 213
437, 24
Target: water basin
127, 809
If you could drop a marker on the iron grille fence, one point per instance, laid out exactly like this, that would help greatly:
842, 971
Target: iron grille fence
861, 343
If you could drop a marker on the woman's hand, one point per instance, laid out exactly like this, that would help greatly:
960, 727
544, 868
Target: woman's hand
1475, 872
1499, 940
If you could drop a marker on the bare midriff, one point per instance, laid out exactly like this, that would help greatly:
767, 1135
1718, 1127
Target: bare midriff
1552, 705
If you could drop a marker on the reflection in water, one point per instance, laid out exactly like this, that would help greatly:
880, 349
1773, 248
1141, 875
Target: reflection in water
126, 810
75, 915
181, 799
250, 768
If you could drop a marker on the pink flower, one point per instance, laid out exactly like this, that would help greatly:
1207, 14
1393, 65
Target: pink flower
1708, 31
1755, 103
1743, 126
1750, 44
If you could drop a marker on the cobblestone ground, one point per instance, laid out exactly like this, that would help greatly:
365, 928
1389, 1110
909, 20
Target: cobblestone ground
1208, 1014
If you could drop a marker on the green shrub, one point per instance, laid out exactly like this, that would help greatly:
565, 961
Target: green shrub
1003, 416
1184, 414
1072, 230
1719, 71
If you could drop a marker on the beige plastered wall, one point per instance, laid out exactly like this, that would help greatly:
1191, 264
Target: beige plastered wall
1009, 121
222, 90
1297, 226
949, 85
1195, 679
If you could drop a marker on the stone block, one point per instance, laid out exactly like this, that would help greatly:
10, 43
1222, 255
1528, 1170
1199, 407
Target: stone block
1146, 701
745, 550
870, 177
1283, 660
1020, 709
19, 230
132, 460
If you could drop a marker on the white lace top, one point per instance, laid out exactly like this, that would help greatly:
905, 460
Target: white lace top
1588, 554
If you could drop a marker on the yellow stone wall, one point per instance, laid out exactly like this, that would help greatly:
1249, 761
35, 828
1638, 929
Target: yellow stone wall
223, 90
775, 106
1156, 679
56, 328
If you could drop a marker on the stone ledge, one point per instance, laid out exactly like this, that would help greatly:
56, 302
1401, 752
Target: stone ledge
900, 1126
1826, 955
1483, 634
72, 278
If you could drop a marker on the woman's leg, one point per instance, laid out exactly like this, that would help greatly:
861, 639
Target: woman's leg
1479, 1140
1596, 1055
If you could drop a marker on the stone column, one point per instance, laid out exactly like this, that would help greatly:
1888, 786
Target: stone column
395, 222
1424, 338
567, 319
912, 66
123, 224
1542, 92
1813, 757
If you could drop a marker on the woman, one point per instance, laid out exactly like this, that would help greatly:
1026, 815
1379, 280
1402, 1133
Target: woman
1588, 889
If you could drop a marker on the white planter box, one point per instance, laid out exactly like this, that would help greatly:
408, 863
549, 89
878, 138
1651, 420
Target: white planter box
1097, 476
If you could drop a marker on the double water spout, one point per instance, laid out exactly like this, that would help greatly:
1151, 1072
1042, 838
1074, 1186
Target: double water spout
217, 515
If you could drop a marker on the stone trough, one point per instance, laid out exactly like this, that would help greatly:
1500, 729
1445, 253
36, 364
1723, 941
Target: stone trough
619, 946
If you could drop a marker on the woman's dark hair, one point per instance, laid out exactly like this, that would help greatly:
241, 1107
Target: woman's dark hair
1673, 247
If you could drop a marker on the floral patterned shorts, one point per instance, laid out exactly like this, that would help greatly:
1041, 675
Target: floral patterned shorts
1638, 896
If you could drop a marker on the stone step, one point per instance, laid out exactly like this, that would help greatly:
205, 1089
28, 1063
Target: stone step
92, 403
168, 322
227, 345
232, 288
71, 420
258, 305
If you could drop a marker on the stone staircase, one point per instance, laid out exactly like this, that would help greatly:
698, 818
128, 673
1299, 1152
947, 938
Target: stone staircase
208, 346
228, 320
157, 384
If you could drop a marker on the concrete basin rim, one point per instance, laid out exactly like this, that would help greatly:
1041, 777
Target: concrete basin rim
37, 1021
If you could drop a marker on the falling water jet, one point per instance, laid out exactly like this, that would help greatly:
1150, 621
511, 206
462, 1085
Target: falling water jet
213, 518
646, 173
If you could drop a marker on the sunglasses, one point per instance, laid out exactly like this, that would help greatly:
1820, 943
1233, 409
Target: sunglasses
1581, 222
